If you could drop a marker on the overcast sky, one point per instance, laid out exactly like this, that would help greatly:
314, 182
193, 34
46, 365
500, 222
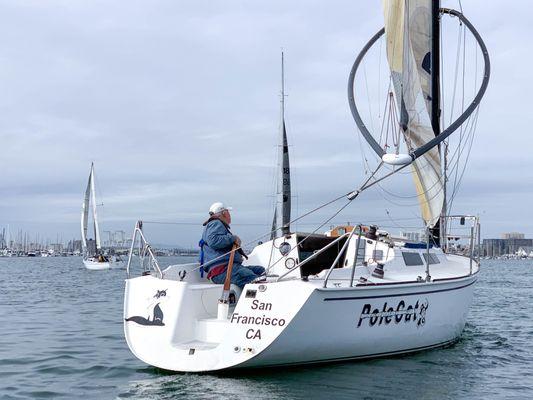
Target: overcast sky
177, 104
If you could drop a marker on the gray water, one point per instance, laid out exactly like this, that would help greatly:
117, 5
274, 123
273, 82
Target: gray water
61, 337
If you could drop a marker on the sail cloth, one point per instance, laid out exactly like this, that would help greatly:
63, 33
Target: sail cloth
90, 195
85, 213
408, 36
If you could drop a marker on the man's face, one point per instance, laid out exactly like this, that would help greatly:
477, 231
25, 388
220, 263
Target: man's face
227, 216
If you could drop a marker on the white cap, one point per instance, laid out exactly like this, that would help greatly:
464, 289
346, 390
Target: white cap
218, 207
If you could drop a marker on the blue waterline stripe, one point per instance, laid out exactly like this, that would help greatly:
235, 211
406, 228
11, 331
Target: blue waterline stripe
399, 294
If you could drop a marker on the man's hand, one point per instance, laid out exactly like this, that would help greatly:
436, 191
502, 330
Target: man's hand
237, 241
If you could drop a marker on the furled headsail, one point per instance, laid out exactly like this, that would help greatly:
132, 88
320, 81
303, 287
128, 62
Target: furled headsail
408, 33
282, 213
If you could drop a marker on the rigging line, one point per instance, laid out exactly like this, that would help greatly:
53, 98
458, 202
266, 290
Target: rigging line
198, 223
364, 161
416, 195
369, 185
392, 220
473, 132
368, 98
441, 81
457, 184
351, 196
398, 133
268, 234
458, 55
420, 202
384, 120
467, 123
252, 224
463, 128
404, 228
380, 52
390, 168
457, 161
412, 196
362, 187
312, 233
468, 137
455, 158
467, 158
384, 220
475, 88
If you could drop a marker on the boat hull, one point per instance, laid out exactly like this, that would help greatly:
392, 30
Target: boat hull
95, 265
319, 325
374, 323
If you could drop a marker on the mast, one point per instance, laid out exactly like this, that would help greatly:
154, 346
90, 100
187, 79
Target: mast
435, 66
282, 214
437, 230
95, 216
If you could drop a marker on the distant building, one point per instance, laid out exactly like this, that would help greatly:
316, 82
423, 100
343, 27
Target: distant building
499, 247
513, 235
74, 246
412, 236
56, 247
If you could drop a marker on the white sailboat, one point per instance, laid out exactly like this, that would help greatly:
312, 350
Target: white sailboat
357, 292
93, 256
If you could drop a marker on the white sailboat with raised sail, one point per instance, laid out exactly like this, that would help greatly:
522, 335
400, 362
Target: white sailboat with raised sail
93, 256
357, 293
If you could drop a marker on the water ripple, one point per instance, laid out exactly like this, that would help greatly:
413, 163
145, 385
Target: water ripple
64, 339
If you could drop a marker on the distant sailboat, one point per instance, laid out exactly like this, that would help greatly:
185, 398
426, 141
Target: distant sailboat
93, 256
282, 212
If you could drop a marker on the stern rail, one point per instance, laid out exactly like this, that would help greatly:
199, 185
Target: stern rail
145, 253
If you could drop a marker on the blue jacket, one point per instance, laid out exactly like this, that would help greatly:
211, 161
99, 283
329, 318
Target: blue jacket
218, 240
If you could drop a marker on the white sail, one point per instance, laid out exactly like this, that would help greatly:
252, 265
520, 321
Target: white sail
408, 35
85, 213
